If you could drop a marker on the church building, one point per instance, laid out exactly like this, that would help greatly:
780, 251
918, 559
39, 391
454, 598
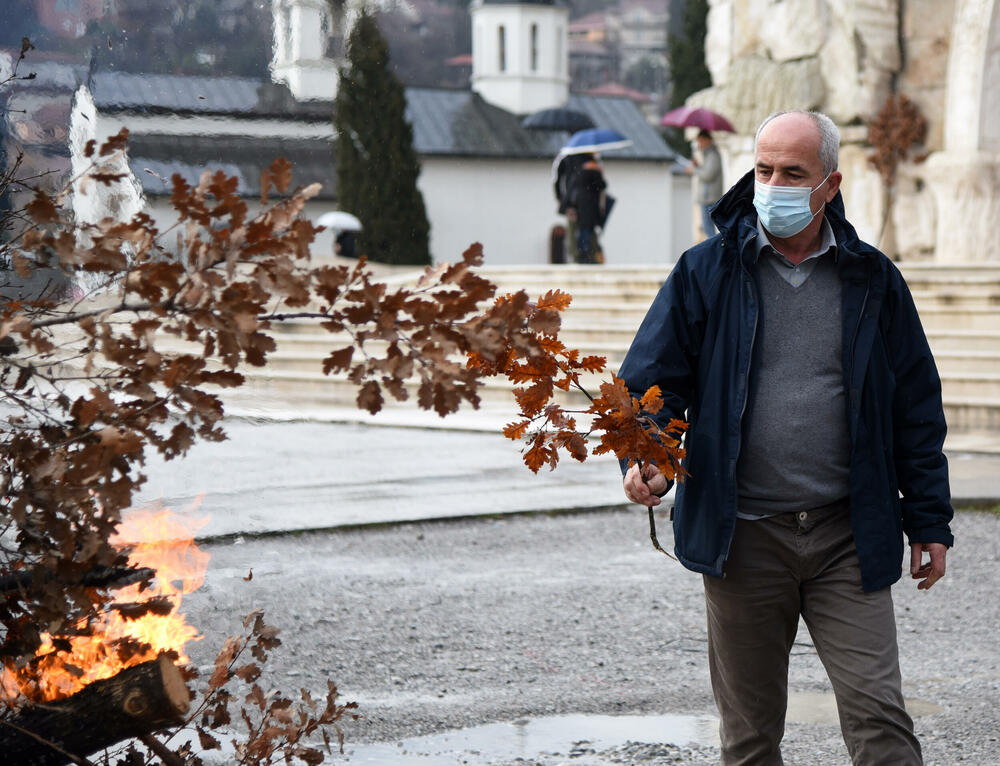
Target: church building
484, 177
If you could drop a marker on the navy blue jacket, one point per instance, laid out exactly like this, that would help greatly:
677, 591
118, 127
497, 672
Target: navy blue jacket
697, 342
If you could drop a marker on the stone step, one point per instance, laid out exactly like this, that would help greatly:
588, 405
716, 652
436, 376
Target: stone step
336, 389
963, 340
972, 413
966, 383
959, 305
968, 297
938, 319
961, 363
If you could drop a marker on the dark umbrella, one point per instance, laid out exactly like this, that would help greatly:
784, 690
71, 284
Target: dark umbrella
557, 119
696, 117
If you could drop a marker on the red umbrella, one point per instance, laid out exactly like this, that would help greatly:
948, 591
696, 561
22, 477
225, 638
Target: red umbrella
696, 117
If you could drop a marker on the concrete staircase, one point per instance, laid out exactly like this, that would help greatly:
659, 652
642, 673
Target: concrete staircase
959, 306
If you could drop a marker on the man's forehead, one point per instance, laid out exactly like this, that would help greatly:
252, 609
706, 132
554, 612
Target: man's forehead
790, 137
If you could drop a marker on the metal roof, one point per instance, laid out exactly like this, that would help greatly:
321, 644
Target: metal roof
461, 123
155, 158
445, 122
193, 94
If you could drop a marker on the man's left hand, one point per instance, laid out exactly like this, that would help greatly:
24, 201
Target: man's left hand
931, 571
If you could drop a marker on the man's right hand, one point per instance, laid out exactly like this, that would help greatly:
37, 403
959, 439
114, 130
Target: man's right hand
646, 488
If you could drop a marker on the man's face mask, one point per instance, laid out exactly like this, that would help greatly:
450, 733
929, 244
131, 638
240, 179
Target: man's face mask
784, 210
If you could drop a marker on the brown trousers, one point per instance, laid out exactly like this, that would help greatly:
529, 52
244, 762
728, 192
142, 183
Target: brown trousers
778, 569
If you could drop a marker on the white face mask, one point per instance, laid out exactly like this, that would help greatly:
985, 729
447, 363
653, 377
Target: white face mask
784, 210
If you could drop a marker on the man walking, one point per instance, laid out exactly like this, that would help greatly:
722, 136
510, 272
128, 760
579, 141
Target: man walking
708, 171
797, 354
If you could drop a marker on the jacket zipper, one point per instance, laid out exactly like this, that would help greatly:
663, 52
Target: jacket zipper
746, 391
853, 393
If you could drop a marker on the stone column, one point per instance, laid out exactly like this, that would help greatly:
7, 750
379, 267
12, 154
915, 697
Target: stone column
966, 188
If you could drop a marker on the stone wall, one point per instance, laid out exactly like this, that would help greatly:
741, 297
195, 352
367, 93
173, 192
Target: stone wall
844, 57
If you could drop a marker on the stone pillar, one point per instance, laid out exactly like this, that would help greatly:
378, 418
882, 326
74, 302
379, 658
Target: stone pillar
965, 177
966, 188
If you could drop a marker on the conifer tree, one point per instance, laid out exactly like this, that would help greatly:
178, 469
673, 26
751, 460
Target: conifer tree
377, 167
688, 72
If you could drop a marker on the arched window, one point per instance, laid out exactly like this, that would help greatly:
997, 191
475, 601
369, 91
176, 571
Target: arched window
502, 48
534, 47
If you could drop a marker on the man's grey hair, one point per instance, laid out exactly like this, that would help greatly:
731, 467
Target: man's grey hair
829, 137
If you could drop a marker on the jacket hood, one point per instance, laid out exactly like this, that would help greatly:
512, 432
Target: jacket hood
736, 216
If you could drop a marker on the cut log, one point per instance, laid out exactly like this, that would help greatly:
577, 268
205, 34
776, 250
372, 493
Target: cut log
139, 700
100, 577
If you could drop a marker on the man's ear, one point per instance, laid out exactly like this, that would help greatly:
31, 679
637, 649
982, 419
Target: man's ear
833, 185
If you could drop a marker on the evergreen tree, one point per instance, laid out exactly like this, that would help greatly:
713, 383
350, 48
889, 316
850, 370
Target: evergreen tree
688, 71
377, 167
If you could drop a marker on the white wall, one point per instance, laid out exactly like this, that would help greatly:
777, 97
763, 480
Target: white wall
510, 207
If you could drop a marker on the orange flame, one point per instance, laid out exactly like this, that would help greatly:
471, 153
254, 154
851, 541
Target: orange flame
160, 540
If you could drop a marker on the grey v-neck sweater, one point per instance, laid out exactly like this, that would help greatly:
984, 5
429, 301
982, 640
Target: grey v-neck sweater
796, 450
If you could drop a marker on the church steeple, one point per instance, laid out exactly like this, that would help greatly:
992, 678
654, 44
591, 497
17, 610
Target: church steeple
520, 53
301, 33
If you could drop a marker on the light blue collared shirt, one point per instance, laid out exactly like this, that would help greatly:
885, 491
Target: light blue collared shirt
795, 275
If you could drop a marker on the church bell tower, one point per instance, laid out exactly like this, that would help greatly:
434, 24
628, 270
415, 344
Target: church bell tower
520, 53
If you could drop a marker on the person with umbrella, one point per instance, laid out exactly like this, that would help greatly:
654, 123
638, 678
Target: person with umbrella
579, 183
567, 170
587, 200
708, 171
345, 226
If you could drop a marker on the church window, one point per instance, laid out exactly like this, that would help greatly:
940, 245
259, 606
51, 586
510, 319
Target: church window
502, 48
534, 47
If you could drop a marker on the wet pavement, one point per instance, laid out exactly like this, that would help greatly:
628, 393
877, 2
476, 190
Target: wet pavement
471, 642
537, 627
285, 476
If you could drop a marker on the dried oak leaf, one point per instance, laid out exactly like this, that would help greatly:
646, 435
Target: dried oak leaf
42, 208
370, 397
207, 741
220, 674
115, 143
281, 174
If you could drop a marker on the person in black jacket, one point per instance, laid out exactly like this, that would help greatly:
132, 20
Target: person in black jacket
816, 434
566, 172
587, 198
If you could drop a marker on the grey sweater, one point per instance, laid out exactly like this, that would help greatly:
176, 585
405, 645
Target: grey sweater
796, 450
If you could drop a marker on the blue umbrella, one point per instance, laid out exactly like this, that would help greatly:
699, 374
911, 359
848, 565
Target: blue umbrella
591, 140
594, 140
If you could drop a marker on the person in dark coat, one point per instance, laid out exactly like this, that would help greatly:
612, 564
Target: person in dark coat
587, 195
344, 244
796, 354
566, 172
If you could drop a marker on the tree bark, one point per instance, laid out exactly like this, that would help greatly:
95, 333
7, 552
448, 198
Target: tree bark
138, 700
99, 577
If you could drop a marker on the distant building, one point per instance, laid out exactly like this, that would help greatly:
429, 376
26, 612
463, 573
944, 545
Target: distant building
608, 46
69, 18
484, 177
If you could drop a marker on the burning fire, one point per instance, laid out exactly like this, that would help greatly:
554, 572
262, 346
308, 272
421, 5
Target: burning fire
160, 540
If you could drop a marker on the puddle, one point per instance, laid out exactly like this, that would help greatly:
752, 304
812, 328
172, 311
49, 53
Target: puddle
821, 707
531, 738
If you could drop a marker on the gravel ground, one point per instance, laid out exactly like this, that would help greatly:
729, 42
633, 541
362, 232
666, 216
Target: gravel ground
442, 626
